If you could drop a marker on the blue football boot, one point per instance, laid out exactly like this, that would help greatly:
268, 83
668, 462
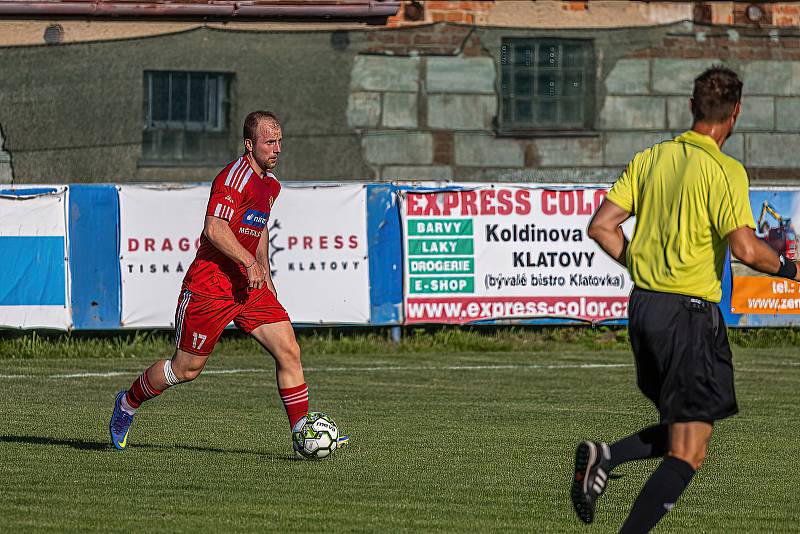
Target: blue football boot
120, 423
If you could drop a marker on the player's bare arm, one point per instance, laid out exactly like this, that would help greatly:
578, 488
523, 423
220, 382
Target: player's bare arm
605, 228
219, 233
262, 257
756, 254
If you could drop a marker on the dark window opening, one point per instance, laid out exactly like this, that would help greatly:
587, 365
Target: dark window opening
186, 118
546, 85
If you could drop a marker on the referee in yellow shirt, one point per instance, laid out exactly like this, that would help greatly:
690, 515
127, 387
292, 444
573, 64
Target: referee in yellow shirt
691, 202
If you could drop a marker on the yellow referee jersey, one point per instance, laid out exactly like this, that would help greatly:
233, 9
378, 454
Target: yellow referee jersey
687, 196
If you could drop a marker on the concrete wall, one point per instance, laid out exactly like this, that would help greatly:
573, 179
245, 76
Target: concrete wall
75, 113
6, 170
406, 104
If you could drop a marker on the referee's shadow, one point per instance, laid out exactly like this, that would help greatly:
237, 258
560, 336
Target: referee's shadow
85, 445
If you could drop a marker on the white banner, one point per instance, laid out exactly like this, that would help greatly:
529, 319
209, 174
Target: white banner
507, 252
34, 275
159, 233
317, 248
318, 244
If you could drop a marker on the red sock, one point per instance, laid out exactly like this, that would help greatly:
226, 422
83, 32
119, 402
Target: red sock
295, 400
141, 390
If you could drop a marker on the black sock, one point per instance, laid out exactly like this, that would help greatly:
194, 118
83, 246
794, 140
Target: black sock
658, 495
650, 442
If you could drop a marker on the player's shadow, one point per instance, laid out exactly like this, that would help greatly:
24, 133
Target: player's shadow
85, 445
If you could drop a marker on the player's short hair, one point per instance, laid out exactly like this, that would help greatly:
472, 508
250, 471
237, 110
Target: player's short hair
716, 93
251, 122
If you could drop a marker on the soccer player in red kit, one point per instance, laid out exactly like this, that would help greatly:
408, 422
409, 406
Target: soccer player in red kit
229, 280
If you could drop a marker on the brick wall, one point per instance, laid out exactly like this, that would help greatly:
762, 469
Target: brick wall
725, 44
430, 39
779, 14
786, 14
439, 11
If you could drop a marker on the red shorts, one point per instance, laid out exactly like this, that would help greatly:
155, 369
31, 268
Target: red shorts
199, 320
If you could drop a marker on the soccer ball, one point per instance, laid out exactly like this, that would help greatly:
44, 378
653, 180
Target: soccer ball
314, 436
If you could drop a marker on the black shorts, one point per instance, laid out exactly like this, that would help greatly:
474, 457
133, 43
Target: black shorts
683, 359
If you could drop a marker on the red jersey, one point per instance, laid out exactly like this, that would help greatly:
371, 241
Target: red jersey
244, 199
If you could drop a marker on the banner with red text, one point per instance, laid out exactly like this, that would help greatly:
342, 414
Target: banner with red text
159, 231
501, 252
319, 257
318, 251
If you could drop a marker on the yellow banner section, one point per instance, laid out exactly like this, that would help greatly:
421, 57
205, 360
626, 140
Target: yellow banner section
765, 295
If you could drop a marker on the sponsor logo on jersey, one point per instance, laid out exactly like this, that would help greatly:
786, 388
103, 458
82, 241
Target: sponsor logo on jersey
255, 219
229, 199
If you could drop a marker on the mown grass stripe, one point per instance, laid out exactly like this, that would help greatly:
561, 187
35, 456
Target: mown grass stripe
342, 369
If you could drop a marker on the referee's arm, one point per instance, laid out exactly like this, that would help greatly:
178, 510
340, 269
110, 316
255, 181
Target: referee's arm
756, 254
605, 228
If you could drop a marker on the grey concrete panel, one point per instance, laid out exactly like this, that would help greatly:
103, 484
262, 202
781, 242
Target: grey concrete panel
364, 110
773, 150
461, 112
676, 76
484, 150
620, 147
770, 77
460, 75
629, 77
411, 173
385, 73
758, 113
405, 148
734, 147
568, 151
633, 113
400, 110
787, 114
552, 175
679, 114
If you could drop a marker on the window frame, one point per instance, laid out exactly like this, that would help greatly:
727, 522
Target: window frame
215, 122
515, 128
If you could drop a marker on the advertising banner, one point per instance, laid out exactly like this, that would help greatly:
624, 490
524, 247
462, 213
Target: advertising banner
34, 277
318, 251
766, 299
159, 230
319, 257
507, 253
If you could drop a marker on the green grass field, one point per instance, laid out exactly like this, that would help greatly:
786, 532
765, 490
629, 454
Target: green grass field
443, 441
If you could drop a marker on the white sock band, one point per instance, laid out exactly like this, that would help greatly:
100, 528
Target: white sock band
169, 375
123, 403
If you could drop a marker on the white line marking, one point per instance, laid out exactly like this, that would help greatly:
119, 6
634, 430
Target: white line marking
346, 370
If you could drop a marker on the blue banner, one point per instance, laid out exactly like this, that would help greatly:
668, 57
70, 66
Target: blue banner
33, 271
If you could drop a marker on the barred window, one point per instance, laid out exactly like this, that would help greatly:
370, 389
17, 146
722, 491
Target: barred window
547, 85
186, 118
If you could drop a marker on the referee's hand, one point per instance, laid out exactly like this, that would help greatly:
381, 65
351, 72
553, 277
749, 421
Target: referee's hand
255, 276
